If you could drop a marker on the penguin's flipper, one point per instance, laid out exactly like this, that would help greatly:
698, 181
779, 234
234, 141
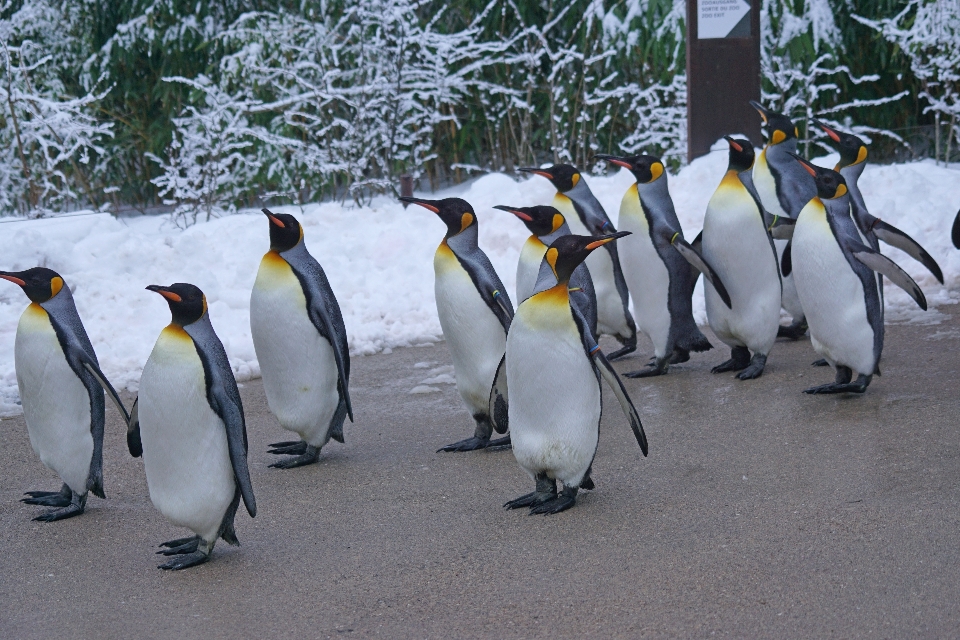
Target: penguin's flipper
786, 262
102, 380
133, 430
780, 227
327, 328
697, 246
694, 258
887, 267
499, 398
955, 232
610, 375
896, 238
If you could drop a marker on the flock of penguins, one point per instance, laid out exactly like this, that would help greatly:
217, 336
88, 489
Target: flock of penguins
778, 231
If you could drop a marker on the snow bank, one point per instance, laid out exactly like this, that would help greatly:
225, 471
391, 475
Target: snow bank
378, 259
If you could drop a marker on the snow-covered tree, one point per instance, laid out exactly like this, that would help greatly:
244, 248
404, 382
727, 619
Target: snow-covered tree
928, 33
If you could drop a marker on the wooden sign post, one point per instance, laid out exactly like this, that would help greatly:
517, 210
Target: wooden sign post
723, 72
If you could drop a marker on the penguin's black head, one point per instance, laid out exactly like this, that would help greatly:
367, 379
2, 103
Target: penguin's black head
285, 231
779, 126
456, 213
852, 149
645, 169
830, 184
563, 176
187, 303
540, 220
741, 154
39, 283
567, 252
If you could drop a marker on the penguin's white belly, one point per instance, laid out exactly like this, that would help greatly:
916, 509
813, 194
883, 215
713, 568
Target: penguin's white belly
56, 405
554, 394
832, 296
736, 245
474, 335
528, 268
647, 279
185, 452
297, 364
766, 186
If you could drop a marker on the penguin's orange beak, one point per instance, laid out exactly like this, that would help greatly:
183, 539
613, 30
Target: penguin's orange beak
759, 107
169, 295
733, 144
520, 214
830, 132
614, 160
539, 172
806, 165
275, 220
15, 280
423, 203
604, 240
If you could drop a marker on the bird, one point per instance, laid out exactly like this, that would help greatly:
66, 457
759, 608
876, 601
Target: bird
737, 243
546, 224
554, 365
191, 430
475, 314
784, 189
853, 159
656, 260
301, 344
834, 272
585, 215
62, 392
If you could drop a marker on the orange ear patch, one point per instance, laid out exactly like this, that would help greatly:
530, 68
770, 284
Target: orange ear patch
55, 285
465, 221
558, 221
778, 137
861, 155
656, 170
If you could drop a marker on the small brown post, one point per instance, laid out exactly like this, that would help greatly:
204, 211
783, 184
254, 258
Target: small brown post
723, 72
406, 187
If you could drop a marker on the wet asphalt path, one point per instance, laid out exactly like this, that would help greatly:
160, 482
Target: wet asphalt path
761, 512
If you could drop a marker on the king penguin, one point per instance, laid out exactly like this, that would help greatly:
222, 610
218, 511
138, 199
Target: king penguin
784, 189
189, 424
554, 365
737, 243
61, 391
301, 344
585, 215
546, 224
834, 272
475, 313
853, 160
656, 260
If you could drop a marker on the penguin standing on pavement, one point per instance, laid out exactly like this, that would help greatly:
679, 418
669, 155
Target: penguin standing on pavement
853, 159
585, 215
546, 224
301, 344
834, 272
738, 245
189, 423
784, 189
656, 260
61, 390
555, 364
475, 313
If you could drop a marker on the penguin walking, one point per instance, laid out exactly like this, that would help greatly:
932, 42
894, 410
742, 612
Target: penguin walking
475, 313
546, 224
834, 272
585, 216
189, 425
737, 243
784, 189
853, 160
301, 344
61, 391
655, 259
554, 365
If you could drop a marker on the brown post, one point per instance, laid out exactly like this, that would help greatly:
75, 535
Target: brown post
723, 72
406, 187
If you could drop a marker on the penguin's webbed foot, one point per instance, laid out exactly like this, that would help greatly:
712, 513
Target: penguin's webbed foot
186, 560
679, 356
288, 448
859, 386
180, 546
566, 499
739, 359
755, 369
822, 362
71, 510
657, 368
469, 444
793, 331
49, 498
627, 348
309, 456
500, 444
545, 492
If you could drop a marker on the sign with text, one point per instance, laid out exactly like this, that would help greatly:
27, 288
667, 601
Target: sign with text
723, 19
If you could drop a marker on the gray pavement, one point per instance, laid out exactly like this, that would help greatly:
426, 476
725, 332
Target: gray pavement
761, 512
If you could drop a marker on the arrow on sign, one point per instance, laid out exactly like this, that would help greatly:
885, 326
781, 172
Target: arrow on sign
717, 18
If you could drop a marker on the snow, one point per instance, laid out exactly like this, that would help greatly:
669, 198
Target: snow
379, 259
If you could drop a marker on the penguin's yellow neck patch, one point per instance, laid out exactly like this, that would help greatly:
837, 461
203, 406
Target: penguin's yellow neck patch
35, 311
175, 332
